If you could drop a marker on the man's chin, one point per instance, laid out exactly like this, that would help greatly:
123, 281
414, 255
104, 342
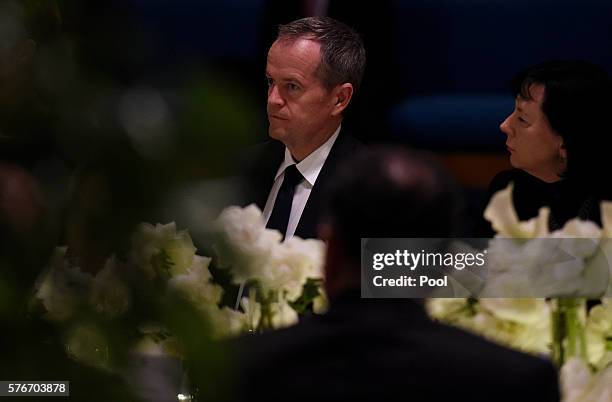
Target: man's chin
277, 134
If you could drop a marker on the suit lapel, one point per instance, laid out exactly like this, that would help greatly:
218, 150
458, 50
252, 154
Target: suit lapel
268, 161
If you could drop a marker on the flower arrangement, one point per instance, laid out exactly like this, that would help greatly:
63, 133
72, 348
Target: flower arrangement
283, 279
563, 268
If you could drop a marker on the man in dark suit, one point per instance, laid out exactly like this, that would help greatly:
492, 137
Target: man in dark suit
313, 70
384, 349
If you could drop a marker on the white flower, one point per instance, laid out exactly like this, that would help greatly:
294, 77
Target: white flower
516, 268
580, 238
160, 247
606, 242
88, 346
606, 218
61, 287
283, 315
578, 228
252, 310
244, 243
292, 263
447, 309
109, 295
523, 324
575, 378
604, 257
598, 331
256, 253
226, 322
320, 304
556, 266
504, 220
578, 384
583, 242
196, 284
522, 311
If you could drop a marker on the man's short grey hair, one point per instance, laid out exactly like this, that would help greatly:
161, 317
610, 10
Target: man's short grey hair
343, 56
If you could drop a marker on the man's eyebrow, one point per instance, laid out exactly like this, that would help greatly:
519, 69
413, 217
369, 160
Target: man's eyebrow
296, 79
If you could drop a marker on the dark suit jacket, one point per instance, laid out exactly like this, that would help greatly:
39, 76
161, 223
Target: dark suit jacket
263, 162
383, 350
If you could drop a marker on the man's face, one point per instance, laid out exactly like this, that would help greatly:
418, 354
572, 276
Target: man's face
299, 106
533, 144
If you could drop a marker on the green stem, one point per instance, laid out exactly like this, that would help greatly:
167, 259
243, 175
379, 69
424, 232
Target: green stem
568, 330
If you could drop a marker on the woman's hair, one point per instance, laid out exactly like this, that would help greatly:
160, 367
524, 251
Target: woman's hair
577, 103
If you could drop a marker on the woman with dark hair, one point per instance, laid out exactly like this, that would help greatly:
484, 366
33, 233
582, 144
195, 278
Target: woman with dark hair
558, 137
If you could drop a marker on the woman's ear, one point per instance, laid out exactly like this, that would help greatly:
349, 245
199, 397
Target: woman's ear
563, 156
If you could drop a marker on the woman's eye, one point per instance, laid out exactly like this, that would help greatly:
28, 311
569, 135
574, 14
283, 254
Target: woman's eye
522, 120
269, 81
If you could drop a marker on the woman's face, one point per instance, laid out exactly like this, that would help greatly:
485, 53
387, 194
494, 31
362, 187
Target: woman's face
533, 145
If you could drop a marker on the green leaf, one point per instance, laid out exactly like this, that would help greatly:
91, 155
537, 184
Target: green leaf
310, 291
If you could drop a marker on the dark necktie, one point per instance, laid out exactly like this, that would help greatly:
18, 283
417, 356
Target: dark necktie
279, 218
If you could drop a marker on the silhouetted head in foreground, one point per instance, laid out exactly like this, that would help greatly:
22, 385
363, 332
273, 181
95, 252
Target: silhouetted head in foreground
383, 192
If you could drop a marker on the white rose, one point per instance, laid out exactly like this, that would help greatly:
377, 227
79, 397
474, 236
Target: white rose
244, 244
292, 263
61, 287
161, 246
196, 284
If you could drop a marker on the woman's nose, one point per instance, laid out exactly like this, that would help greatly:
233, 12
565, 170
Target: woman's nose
505, 126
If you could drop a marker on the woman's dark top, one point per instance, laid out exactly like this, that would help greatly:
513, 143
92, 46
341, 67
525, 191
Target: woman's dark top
566, 198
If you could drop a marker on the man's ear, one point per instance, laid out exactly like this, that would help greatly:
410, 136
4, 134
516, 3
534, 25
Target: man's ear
343, 94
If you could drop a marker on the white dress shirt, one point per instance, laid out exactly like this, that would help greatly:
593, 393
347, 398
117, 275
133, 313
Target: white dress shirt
309, 167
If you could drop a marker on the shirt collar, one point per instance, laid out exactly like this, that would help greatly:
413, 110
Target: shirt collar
311, 166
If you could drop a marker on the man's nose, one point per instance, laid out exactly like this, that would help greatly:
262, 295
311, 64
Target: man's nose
274, 97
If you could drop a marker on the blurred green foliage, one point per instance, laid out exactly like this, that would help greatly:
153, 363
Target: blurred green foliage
103, 140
